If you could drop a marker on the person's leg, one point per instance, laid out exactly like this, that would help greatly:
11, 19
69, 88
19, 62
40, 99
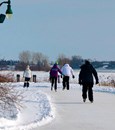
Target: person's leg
52, 83
64, 82
84, 92
55, 82
67, 82
25, 82
28, 79
90, 92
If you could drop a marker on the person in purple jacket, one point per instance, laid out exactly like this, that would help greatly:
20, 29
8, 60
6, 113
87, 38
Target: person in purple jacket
54, 76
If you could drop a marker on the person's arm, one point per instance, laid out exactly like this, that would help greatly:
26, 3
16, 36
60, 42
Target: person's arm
50, 71
24, 74
72, 73
80, 77
95, 75
31, 73
60, 71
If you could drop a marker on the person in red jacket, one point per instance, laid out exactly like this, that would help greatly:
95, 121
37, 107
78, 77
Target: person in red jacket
54, 76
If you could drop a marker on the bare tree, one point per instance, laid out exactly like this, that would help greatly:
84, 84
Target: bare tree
45, 62
76, 61
37, 61
40, 61
62, 59
36, 57
25, 57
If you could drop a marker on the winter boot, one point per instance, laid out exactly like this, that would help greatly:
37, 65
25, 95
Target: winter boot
84, 100
24, 85
51, 88
91, 101
27, 85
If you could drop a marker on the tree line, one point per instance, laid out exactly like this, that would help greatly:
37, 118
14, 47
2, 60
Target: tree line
39, 61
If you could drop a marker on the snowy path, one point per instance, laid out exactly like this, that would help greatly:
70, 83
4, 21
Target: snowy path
73, 114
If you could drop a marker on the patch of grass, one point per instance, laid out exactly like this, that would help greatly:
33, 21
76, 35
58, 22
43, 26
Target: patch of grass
6, 78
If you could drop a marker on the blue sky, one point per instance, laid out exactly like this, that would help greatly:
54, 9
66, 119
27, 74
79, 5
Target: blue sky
53, 27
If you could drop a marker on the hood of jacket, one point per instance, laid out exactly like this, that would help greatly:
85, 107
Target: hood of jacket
66, 65
85, 66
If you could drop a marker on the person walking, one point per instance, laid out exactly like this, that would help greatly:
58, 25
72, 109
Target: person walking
27, 75
54, 76
67, 71
86, 79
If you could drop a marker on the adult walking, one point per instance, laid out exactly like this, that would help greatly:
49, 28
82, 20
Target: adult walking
54, 76
27, 75
67, 71
86, 79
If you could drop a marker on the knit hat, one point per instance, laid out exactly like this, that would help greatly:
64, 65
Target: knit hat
87, 62
27, 67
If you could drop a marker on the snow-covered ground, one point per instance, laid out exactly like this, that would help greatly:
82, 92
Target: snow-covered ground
36, 110
39, 107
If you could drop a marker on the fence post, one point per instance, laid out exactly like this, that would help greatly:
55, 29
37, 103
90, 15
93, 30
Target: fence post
59, 79
18, 78
34, 78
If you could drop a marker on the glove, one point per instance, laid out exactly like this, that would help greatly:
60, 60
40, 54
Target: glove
61, 76
73, 76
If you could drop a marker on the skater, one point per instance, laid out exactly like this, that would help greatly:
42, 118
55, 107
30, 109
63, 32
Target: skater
67, 71
27, 75
86, 80
54, 76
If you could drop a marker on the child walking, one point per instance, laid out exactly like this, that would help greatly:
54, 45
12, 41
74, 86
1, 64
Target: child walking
27, 75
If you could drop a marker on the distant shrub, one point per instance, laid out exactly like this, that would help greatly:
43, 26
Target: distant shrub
10, 99
6, 78
113, 83
108, 81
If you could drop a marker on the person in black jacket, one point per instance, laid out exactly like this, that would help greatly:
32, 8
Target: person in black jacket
86, 80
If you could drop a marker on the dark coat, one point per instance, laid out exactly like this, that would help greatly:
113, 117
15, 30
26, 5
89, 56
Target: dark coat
86, 74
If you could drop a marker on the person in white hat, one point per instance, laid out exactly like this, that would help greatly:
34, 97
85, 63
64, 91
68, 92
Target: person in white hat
27, 75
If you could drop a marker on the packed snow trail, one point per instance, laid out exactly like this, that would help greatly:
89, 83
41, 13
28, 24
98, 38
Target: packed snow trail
73, 114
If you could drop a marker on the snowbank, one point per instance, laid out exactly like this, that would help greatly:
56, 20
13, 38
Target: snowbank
37, 110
